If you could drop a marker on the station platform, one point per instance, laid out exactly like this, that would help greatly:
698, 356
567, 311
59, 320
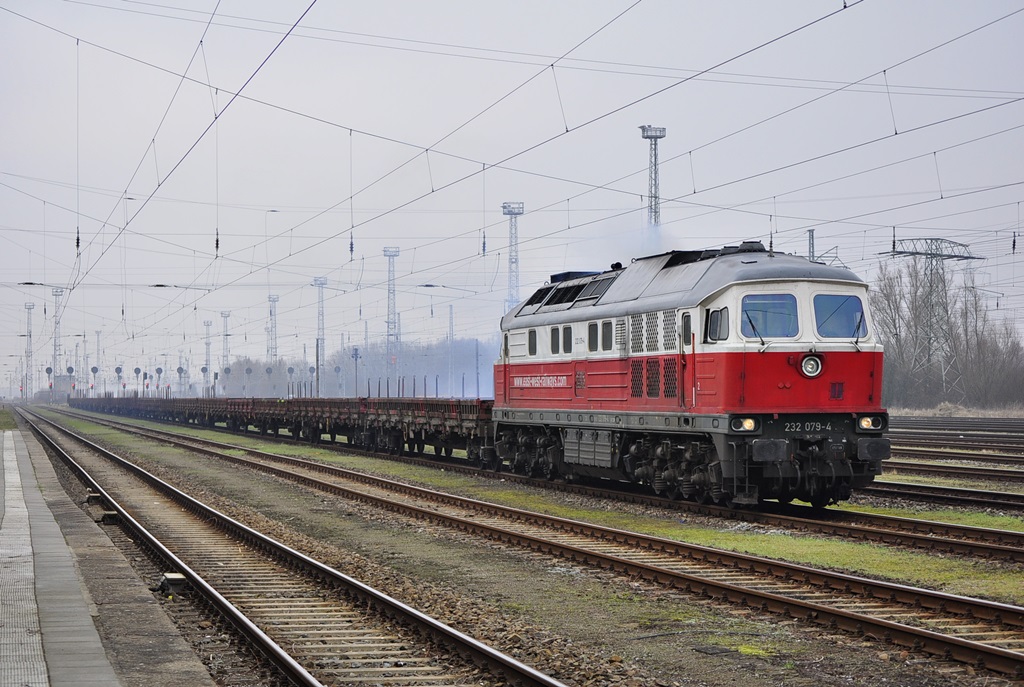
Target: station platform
72, 610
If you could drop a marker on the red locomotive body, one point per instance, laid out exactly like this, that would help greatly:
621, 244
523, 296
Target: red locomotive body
732, 375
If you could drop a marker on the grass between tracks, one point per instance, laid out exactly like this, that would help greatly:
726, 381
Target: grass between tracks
950, 573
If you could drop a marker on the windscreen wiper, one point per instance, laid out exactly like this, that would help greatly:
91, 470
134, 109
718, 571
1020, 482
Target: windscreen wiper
753, 327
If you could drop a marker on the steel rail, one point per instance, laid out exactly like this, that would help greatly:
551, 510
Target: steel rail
999, 500
974, 456
984, 444
895, 467
268, 647
481, 654
992, 657
912, 532
959, 425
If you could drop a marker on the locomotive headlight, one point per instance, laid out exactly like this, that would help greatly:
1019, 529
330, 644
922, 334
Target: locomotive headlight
811, 366
868, 422
743, 424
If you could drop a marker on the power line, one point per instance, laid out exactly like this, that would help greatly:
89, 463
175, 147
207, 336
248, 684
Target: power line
541, 60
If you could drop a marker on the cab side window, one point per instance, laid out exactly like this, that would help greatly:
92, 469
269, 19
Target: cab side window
531, 345
607, 335
716, 326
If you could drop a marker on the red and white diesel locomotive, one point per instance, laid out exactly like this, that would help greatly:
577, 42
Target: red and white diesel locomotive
732, 375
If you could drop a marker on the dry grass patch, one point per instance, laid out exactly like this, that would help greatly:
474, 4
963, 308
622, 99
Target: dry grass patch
977, 485
993, 521
7, 419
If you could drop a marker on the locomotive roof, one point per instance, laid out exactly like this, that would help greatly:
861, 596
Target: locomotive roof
677, 279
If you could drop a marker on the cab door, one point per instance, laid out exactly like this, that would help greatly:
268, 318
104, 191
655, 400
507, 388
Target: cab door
687, 362
505, 378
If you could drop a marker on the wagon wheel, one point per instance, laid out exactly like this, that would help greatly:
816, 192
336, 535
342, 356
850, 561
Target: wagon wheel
448, 450
490, 459
420, 446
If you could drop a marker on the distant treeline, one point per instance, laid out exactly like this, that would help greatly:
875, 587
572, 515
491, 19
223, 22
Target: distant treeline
941, 343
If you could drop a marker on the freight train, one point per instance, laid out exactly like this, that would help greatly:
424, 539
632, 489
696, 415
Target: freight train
730, 376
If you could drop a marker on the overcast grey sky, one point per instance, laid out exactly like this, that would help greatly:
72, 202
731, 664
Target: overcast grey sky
407, 124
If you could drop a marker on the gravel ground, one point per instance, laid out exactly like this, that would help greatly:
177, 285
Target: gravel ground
583, 626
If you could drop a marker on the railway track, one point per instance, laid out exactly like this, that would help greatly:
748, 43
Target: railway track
968, 443
907, 532
896, 467
1006, 501
317, 626
945, 454
972, 437
959, 425
967, 630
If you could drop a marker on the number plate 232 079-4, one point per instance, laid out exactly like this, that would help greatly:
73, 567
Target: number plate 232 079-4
810, 426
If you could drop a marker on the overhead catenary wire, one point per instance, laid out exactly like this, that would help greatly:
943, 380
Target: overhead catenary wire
897, 64
349, 134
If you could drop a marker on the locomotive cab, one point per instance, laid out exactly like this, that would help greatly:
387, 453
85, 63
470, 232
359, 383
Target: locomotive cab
800, 376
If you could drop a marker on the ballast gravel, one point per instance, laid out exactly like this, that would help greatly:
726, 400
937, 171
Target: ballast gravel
586, 627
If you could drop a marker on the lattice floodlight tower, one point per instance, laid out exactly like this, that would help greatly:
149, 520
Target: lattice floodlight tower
653, 134
939, 347
512, 210
272, 332
393, 338
321, 336
28, 349
206, 364
57, 293
224, 359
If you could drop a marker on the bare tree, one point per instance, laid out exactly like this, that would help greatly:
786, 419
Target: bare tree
939, 341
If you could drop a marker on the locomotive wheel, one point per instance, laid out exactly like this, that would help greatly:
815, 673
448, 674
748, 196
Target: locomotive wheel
819, 501
448, 450
547, 469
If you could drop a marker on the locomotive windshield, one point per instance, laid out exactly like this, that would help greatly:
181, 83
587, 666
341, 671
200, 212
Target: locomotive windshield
839, 316
769, 315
